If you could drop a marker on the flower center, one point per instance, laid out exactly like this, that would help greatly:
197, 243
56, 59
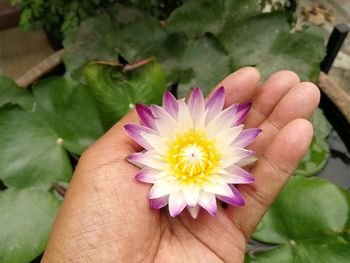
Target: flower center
192, 157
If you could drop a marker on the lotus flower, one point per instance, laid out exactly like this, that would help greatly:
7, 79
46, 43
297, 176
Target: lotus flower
193, 152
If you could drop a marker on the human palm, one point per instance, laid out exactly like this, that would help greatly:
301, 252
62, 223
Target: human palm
106, 216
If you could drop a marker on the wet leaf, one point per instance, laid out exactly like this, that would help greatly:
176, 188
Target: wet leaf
125, 31
266, 41
25, 223
10, 93
116, 92
195, 18
204, 64
308, 222
32, 154
69, 109
318, 153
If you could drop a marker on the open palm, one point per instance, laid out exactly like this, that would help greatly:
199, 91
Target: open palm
106, 216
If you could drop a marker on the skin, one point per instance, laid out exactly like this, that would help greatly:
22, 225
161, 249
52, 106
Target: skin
106, 216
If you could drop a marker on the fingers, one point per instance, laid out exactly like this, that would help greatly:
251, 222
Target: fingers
299, 102
240, 86
271, 173
269, 95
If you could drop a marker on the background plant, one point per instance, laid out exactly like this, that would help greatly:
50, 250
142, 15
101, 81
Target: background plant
124, 55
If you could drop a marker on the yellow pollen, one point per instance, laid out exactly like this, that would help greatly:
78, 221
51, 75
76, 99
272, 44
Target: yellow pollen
192, 157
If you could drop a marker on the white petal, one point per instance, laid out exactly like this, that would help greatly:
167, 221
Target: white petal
208, 202
162, 188
185, 122
194, 211
158, 143
177, 203
196, 108
233, 155
216, 188
164, 122
191, 193
222, 121
149, 158
226, 137
149, 175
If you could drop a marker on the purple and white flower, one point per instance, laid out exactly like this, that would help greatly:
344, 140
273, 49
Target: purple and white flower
193, 152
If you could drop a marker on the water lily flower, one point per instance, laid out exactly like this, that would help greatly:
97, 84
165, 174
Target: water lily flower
193, 152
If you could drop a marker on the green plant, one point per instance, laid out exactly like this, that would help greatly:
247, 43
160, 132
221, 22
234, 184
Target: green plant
124, 55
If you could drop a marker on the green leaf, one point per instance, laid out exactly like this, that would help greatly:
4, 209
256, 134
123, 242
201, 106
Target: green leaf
168, 51
308, 222
195, 18
10, 93
266, 41
116, 92
31, 153
204, 64
125, 32
318, 153
69, 109
26, 219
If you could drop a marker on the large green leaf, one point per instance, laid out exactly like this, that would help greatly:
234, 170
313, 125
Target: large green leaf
266, 41
125, 31
10, 93
308, 222
25, 223
204, 64
31, 152
196, 17
318, 153
69, 109
117, 91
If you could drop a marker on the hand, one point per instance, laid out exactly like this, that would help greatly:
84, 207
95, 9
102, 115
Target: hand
106, 216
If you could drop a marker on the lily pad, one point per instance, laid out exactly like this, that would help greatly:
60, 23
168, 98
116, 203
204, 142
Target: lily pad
69, 109
10, 93
197, 17
124, 31
26, 219
32, 154
204, 64
117, 91
267, 42
308, 222
318, 152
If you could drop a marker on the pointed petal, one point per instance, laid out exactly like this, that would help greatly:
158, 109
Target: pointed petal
160, 202
194, 211
149, 175
162, 188
170, 104
247, 161
226, 137
191, 193
236, 175
222, 121
215, 104
177, 203
242, 112
208, 202
137, 132
235, 199
196, 106
185, 121
246, 137
146, 116
164, 122
234, 155
217, 188
149, 158
157, 142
